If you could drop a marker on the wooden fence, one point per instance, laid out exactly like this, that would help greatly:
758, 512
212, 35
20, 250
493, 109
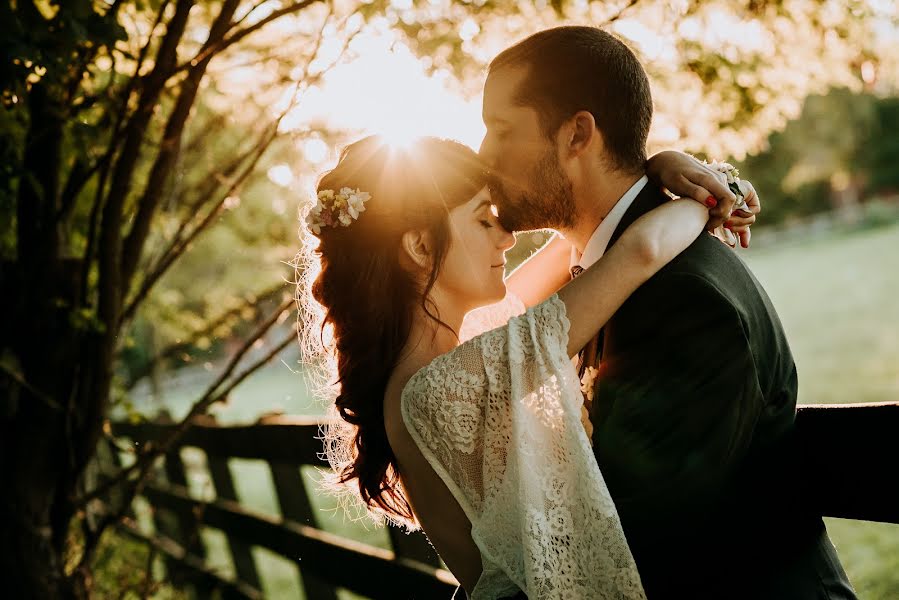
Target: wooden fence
849, 455
325, 561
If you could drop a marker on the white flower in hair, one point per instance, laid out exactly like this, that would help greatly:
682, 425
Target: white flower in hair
356, 203
338, 209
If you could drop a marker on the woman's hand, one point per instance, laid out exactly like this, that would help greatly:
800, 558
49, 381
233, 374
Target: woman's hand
684, 176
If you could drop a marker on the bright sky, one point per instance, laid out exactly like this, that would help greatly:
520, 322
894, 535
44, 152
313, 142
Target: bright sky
386, 90
383, 88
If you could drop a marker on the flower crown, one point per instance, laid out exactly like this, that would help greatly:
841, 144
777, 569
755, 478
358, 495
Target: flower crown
338, 209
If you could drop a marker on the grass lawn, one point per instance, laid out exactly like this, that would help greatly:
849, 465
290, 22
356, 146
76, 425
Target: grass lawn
838, 298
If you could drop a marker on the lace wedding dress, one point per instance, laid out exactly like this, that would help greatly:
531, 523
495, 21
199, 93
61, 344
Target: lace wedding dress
498, 419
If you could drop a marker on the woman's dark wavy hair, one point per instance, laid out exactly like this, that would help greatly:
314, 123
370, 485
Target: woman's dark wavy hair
368, 297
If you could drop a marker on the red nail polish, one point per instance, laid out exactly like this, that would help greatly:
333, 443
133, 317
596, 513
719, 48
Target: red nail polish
711, 202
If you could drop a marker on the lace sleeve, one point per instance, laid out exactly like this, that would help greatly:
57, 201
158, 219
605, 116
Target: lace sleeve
498, 419
491, 316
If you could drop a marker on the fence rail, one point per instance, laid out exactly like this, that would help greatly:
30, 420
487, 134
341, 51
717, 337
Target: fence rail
325, 561
848, 457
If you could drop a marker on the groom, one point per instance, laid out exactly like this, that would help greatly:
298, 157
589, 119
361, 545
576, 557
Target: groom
694, 410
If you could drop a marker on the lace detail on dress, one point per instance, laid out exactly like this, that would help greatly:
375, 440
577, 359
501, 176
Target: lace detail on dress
498, 418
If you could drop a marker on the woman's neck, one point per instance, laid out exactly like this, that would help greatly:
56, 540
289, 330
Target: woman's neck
429, 338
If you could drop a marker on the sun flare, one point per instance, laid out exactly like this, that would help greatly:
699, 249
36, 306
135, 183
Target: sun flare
387, 90
399, 137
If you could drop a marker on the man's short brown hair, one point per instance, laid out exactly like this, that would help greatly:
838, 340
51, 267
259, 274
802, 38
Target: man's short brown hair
576, 68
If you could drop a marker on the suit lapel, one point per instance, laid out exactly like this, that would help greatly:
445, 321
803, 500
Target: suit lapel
648, 198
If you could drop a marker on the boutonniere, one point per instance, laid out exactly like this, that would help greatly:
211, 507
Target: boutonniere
588, 381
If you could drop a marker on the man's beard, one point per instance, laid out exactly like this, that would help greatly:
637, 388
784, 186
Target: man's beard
547, 203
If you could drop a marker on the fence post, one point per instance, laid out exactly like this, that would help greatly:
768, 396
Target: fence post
241, 553
295, 505
414, 545
182, 526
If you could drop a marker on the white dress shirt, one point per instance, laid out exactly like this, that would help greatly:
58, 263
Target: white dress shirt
599, 241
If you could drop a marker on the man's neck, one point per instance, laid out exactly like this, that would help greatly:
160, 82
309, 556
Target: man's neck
595, 203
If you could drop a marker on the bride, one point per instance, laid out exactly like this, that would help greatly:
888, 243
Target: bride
479, 442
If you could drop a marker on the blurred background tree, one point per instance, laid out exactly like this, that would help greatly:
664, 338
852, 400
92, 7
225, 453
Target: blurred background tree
839, 152
155, 155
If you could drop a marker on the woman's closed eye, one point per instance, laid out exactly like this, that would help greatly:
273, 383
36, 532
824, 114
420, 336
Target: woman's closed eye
490, 217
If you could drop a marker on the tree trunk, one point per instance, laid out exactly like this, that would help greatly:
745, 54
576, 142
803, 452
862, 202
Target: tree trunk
45, 360
36, 455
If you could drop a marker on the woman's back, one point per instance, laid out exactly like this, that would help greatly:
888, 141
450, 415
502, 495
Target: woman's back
438, 513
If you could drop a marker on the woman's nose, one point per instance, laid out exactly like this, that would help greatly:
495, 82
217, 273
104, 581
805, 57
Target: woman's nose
507, 239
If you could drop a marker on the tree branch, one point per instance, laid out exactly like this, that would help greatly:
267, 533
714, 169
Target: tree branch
148, 574
214, 393
179, 246
37, 393
78, 176
238, 35
620, 13
94, 397
249, 12
106, 161
156, 451
171, 140
206, 330
110, 285
221, 387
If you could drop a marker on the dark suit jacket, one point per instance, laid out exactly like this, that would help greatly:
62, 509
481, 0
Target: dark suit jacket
693, 419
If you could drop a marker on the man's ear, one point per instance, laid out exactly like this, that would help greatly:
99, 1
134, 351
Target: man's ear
578, 133
416, 246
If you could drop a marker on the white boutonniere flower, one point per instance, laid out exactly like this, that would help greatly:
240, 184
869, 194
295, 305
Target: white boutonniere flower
588, 384
588, 381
